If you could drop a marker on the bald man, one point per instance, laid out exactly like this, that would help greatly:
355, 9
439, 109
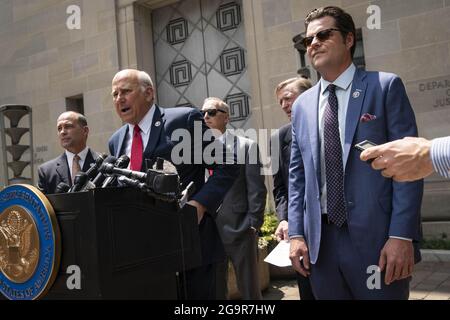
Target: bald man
73, 133
147, 134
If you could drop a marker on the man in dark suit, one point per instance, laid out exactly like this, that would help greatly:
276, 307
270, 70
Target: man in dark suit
73, 134
151, 131
242, 212
287, 92
346, 219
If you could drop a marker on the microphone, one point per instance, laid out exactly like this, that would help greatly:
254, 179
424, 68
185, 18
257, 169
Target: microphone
98, 180
62, 187
162, 182
159, 182
181, 202
132, 183
122, 163
79, 181
94, 168
144, 188
109, 168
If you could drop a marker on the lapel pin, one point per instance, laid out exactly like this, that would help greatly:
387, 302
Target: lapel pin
157, 123
356, 94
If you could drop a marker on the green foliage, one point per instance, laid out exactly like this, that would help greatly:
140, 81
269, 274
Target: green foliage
268, 229
436, 243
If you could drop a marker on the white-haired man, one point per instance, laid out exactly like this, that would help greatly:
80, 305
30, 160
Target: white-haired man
147, 134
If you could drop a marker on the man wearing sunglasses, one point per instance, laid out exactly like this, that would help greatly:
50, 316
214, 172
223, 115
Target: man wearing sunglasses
344, 217
242, 212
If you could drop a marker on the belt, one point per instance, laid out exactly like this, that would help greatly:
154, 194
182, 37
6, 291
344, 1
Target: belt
325, 219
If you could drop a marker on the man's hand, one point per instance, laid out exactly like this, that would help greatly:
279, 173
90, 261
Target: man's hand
299, 249
397, 257
282, 231
407, 159
201, 209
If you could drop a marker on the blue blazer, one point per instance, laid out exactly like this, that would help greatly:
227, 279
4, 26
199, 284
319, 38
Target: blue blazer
377, 207
210, 194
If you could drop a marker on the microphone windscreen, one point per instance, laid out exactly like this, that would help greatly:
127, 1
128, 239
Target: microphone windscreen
110, 159
92, 171
122, 162
79, 181
62, 187
98, 181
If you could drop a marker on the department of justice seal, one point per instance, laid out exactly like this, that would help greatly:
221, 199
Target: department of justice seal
30, 245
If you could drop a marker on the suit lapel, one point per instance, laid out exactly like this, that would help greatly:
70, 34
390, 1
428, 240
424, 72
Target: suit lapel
155, 132
62, 168
88, 161
122, 136
355, 103
312, 115
287, 139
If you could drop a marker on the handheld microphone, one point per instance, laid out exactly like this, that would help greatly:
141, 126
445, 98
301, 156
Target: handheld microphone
144, 188
122, 163
98, 180
186, 194
79, 181
62, 187
94, 168
109, 168
132, 183
159, 182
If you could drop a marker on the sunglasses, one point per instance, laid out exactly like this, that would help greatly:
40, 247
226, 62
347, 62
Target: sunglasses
211, 112
321, 36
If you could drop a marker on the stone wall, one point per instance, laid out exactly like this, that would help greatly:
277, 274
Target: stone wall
43, 62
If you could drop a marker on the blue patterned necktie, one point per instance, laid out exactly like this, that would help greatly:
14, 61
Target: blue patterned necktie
334, 171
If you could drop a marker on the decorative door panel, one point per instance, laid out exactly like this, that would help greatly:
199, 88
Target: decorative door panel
200, 52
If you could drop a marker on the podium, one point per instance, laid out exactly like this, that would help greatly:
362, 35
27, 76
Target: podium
126, 244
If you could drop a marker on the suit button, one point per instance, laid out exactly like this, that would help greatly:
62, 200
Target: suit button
350, 204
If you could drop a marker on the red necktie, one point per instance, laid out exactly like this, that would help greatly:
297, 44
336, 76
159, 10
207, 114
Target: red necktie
136, 150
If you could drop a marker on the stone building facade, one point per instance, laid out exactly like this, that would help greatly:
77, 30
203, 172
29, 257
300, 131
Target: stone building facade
235, 49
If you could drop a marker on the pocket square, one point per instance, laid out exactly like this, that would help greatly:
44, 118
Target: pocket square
366, 117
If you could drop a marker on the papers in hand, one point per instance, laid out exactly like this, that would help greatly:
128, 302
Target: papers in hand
279, 256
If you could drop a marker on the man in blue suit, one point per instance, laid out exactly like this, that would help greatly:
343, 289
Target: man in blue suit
344, 217
149, 133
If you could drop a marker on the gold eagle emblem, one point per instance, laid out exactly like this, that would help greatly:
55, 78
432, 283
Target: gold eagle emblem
19, 244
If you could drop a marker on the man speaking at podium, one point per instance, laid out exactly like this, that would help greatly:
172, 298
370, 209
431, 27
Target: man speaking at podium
73, 134
147, 134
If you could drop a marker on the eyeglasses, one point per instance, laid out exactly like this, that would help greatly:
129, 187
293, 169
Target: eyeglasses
212, 112
321, 36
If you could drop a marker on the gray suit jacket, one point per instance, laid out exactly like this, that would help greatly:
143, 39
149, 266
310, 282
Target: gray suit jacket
52, 172
244, 204
281, 177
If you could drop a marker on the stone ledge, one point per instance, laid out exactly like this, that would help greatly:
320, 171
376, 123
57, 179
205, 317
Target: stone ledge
435, 255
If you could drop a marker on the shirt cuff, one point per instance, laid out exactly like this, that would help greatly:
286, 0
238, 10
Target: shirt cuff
296, 236
401, 238
440, 156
